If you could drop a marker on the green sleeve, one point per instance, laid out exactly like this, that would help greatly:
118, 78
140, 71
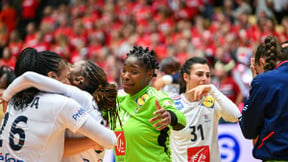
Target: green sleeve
178, 118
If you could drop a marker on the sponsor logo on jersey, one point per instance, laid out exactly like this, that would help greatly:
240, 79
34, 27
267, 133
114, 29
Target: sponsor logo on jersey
120, 148
179, 105
141, 101
200, 153
7, 157
78, 114
208, 102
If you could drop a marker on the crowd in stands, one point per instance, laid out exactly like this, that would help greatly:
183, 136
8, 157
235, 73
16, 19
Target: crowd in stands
103, 31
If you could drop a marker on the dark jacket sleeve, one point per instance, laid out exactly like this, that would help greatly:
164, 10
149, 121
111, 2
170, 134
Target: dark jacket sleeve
251, 121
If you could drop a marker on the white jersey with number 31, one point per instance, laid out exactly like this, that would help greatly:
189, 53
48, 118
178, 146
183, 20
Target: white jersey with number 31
198, 140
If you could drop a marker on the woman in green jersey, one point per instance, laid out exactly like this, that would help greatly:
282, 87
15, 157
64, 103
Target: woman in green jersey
146, 114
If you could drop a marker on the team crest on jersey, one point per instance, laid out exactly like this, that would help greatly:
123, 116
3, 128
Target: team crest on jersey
208, 102
206, 118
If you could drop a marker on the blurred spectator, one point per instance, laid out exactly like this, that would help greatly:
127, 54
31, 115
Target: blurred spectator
62, 47
30, 39
3, 36
264, 7
280, 9
225, 83
105, 30
28, 14
7, 59
9, 16
15, 43
167, 78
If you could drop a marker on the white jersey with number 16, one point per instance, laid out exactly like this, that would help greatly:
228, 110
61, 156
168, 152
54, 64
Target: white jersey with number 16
37, 132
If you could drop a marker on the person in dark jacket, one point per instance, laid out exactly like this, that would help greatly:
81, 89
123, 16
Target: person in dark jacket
265, 115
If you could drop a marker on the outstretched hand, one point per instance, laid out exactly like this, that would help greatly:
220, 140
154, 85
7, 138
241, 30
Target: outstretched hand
198, 92
161, 114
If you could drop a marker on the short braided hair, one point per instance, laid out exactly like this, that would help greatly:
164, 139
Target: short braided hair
146, 58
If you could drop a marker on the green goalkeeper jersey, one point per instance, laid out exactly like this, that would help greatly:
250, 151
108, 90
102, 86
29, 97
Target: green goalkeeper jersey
139, 141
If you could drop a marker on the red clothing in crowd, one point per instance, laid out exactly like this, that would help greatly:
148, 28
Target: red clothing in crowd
29, 8
15, 48
229, 88
9, 17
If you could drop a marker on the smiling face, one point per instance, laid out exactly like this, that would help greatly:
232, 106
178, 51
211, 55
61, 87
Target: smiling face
200, 74
135, 76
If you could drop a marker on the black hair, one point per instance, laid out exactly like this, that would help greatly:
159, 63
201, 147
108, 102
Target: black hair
186, 68
104, 93
260, 52
40, 62
273, 53
146, 58
170, 65
8, 73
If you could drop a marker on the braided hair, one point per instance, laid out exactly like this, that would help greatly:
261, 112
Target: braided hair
146, 58
273, 53
104, 93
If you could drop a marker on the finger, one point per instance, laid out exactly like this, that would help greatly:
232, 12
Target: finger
196, 95
162, 122
158, 124
159, 112
191, 90
155, 118
157, 105
162, 127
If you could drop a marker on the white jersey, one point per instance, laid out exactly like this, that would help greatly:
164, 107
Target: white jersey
91, 154
37, 132
198, 141
32, 79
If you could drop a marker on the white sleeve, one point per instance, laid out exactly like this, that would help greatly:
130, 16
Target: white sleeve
227, 109
75, 118
98, 133
44, 83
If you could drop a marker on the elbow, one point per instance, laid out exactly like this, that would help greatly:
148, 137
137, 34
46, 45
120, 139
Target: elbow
247, 132
248, 135
112, 142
